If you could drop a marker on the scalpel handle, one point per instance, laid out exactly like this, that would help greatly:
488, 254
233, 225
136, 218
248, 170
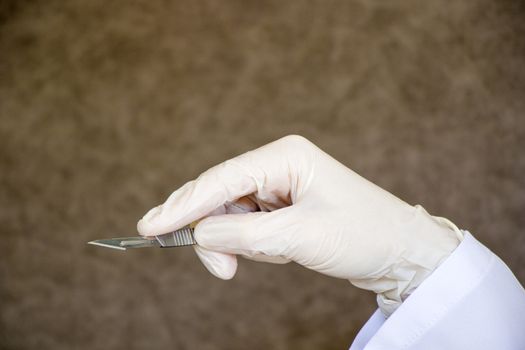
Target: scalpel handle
178, 238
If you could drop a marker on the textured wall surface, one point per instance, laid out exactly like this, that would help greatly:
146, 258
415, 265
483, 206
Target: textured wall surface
108, 106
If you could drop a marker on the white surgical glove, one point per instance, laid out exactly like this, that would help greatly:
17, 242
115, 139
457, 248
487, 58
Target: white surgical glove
290, 201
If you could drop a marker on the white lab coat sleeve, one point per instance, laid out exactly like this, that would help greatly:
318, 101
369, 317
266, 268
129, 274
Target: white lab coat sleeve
471, 301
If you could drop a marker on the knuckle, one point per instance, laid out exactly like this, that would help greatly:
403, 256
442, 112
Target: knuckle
295, 140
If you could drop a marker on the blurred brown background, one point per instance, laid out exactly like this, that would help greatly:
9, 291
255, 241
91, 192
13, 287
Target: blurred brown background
108, 106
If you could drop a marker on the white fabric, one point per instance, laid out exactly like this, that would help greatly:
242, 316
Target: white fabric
290, 201
471, 301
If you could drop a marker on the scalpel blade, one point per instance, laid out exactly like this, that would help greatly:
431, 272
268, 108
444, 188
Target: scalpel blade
178, 238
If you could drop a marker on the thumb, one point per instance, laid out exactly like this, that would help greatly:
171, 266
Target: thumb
251, 234
265, 169
221, 184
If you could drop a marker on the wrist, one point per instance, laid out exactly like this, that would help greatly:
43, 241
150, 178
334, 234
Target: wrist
420, 243
428, 241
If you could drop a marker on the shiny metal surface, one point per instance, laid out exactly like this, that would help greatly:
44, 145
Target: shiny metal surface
178, 238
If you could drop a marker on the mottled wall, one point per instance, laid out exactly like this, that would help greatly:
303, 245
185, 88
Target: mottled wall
108, 106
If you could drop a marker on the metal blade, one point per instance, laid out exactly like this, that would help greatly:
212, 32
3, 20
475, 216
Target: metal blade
178, 238
124, 243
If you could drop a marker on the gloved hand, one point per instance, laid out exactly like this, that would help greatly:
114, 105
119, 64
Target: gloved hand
290, 201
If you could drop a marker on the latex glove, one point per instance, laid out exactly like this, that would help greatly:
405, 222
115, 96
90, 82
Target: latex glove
288, 200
